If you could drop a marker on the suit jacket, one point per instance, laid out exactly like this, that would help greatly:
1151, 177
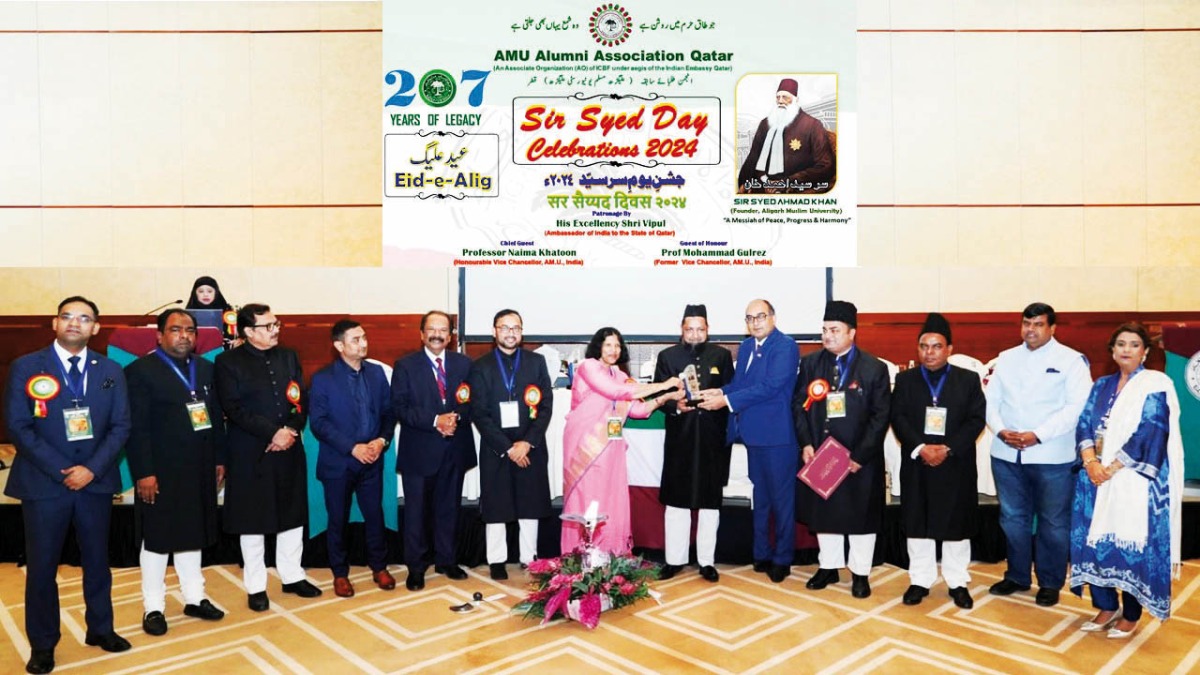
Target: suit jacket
761, 395
856, 507
416, 403
332, 412
43, 450
940, 502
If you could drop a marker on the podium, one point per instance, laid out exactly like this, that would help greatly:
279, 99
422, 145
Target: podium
1181, 342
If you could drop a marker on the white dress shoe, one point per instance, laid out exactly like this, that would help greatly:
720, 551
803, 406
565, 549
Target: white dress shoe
1117, 634
1093, 627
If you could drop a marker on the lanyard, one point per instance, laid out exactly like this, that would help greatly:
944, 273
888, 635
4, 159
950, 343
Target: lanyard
510, 379
190, 380
935, 391
843, 367
76, 394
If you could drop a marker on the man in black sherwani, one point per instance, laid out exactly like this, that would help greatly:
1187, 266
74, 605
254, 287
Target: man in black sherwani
176, 454
261, 388
695, 452
938, 412
843, 391
512, 407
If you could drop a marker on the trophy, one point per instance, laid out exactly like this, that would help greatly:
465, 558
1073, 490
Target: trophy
691, 382
592, 556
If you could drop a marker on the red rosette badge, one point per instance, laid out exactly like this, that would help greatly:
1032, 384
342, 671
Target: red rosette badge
463, 394
533, 397
229, 318
818, 389
41, 388
293, 395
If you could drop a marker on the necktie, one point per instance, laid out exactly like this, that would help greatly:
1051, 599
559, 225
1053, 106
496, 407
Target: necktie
441, 378
837, 373
76, 376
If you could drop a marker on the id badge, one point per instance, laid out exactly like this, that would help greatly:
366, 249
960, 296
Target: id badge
935, 420
79, 423
615, 427
835, 404
198, 414
509, 415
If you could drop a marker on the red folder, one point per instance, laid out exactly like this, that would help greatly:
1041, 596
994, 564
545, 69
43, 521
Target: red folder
828, 468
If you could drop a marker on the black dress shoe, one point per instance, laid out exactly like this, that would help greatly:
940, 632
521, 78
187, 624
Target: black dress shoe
499, 571
915, 594
762, 566
710, 573
415, 580
822, 579
109, 643
453, 572
258, 602
779, 572
962, 597
1006, 587
302, 588
154, 623
40, 661
860, 586
668, 571
1047, 597
205, 610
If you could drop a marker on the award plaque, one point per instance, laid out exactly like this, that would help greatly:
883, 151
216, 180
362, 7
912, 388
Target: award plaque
691, 382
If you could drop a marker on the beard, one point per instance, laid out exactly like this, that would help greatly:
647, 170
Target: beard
695, 349
781, 116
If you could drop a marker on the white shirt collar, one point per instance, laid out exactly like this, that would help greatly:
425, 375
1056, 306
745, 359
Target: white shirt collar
433, 356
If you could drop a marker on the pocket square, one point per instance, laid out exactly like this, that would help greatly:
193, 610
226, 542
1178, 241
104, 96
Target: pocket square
1052, 370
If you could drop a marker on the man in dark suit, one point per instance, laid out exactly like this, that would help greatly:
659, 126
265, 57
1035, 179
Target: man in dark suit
843, 392
68, 416
261, 388
432, 400
351, 415
512, 408
177, 457
759, 399
938, 411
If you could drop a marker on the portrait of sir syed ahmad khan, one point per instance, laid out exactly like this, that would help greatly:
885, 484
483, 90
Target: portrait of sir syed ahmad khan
786, 133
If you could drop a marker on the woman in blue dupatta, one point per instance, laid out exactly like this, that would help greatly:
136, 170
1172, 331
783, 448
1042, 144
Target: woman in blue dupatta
1125, 520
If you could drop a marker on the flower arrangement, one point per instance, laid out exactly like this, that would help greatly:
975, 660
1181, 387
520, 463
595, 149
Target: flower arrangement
573, 586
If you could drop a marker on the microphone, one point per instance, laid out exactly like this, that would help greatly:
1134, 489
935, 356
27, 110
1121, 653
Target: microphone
163, 306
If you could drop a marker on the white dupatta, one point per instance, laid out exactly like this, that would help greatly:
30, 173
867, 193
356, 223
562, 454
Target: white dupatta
1121, 513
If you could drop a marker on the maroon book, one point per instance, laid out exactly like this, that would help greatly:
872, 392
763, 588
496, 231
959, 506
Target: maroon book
828, 468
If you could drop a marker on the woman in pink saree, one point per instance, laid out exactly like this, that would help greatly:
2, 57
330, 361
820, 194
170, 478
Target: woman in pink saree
602, 397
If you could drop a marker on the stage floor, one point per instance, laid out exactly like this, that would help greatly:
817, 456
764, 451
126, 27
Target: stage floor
744, 624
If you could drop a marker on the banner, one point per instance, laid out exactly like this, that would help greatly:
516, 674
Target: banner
628, 134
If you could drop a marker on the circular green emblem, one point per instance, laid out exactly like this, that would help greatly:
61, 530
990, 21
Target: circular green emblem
610, 25
437, 88
44, 387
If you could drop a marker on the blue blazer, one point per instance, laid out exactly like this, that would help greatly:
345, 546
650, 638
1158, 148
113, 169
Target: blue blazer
43, 450
761, 395
331, 417
421, 447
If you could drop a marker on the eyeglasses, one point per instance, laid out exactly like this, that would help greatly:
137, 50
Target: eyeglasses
757, 318
269, 326
510, 329
83, 319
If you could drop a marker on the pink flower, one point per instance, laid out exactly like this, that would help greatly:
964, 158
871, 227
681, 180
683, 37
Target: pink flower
589, 610
606, 587
544, 566
556, 604
628, 589
618, 579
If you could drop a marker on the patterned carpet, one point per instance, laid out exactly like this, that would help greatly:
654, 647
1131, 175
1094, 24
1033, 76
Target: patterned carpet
744, 624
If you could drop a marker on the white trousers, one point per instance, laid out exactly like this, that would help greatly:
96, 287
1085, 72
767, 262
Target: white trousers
922, 562
154, 578
289, 546
833, 552
677, 526
497, 541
